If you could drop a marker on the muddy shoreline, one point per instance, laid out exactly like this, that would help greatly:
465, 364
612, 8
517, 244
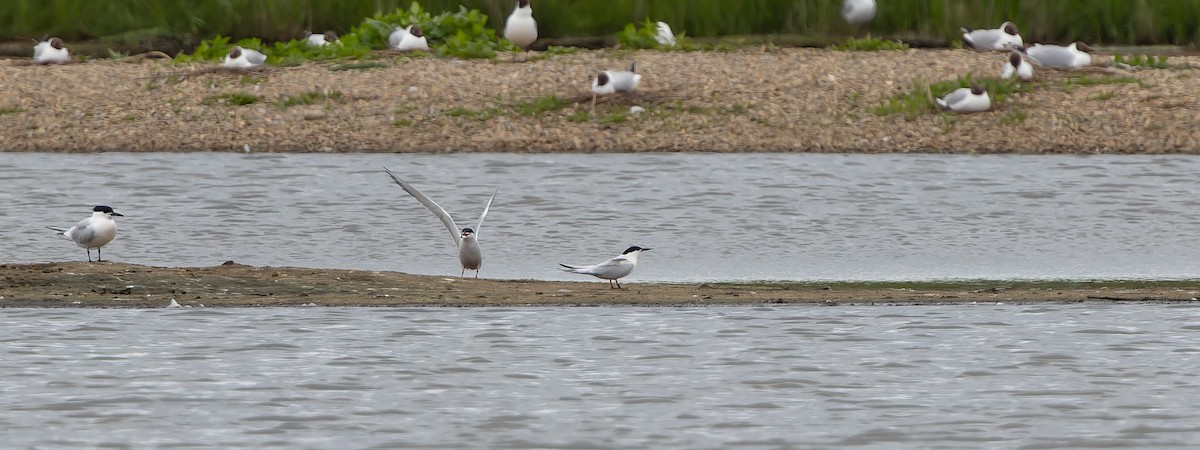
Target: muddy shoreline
119, 285
753, 99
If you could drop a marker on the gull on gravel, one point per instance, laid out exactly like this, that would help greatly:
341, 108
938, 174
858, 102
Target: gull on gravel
610, 81
611, 270
966, 100
323, 39
407, 39
470, 255
93, 232
50, 51
1004, 38
242, 58
858, 12
665, 37
521, 28
1073, 56
1016, 66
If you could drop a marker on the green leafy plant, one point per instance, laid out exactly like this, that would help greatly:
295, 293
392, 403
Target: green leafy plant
463, 34
645, 36
1147, 61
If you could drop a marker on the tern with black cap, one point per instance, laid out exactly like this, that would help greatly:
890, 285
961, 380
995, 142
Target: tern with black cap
613, 269
470, 255
93, 232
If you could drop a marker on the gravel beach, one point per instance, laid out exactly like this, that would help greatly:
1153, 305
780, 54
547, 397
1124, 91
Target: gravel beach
748, 100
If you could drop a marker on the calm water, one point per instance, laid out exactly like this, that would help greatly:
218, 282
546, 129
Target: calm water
707, 216
984, 376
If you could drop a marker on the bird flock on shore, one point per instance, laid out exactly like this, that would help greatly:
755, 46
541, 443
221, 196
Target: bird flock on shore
100, 228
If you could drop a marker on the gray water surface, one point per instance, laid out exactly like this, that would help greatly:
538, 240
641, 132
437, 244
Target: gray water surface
707, 216
961, 377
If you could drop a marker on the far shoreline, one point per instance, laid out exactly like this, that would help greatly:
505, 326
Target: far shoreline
751, 99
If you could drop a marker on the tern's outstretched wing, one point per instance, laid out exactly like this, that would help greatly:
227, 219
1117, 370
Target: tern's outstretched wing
430, 205
485, 211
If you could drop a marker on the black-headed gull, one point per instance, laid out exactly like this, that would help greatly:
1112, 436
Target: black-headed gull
520, 28
858, 12
664, 37
966, 100
470, 255
93, 232
610, 81
50, 51
407, 39
1016, 66
1004, 38
323, 39
1072, 56
243, 58
613, 269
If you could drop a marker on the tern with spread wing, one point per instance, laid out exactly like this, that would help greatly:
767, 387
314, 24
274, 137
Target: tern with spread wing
467, 240
613, 269
93, 232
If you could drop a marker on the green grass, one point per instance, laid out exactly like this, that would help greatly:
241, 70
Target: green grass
614, 117
308, 98
10, 110
1088, 80
1017, 116
555, 50
358, 66
542, 105
868, 44
233, 98
579, 116
919, 99
1103, 96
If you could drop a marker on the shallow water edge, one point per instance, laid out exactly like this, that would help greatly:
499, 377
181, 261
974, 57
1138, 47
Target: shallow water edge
118, 285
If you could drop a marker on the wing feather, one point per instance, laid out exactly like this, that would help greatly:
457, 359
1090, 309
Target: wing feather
485, 211
431, 206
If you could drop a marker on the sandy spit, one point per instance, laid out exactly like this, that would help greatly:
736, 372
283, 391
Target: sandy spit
118, 285
749, 100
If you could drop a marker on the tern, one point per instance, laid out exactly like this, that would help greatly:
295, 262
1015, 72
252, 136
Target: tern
1004, 38
966, 100
50, 51
241, 58
93, 232
665, 37
858, 12
1072, 56
520, 28
408, 39
613, 269
467, 240
1017, 66
610, 81
321, 40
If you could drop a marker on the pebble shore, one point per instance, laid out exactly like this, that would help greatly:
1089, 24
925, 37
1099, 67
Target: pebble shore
748, 100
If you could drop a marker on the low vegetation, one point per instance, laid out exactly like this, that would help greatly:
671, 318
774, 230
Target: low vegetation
868, 44
233, 99
919, 99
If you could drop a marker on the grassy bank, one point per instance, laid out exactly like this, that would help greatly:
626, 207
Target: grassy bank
1141, 22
